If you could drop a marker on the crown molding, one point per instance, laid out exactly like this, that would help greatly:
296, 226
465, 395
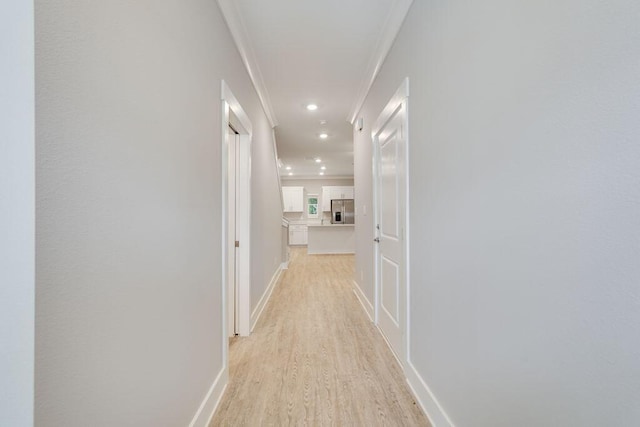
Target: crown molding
233, 17
388, 34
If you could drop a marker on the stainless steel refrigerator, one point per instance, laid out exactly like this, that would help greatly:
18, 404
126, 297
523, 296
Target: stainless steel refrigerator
342, 211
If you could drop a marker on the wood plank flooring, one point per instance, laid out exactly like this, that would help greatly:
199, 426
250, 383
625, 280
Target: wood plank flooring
315, 358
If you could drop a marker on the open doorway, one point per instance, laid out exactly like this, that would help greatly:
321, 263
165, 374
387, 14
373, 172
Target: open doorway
236, 202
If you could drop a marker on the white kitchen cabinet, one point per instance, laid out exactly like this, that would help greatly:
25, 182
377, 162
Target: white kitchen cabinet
335, 192
326, 199
348, 193
293, 199
298, 234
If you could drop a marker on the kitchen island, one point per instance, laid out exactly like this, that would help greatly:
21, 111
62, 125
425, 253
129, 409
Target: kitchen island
331, 239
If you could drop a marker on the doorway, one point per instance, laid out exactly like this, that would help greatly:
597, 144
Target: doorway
233, 241
236, 208
390, 148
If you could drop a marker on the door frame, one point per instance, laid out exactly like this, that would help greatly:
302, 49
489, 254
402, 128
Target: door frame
232, 111
232, 268
401, 96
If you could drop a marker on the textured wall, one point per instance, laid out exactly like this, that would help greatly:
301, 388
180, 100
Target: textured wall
128, 314
525, 207
17, 210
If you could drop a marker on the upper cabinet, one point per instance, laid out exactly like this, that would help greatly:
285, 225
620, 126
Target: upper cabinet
335, 192
293, 199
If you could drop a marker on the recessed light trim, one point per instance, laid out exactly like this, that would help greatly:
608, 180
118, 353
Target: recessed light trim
288, 168
290, 173
318, 160
323, 168
324, 136
321, 173
312, 107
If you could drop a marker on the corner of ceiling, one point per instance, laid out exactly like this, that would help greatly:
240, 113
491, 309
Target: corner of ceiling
233, 17
387, 36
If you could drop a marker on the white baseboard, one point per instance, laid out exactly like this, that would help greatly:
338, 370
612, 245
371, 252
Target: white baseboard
284, 266
208, 407
364, 301
425, 398
257, 312
422, 393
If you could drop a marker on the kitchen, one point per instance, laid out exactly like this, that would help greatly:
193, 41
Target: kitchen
312, 222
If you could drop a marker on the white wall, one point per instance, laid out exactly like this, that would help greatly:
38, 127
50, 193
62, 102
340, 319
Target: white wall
128, 313
266, 212
17, 212
525, 208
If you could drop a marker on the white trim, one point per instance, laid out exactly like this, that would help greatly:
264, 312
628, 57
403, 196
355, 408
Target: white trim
234, 104
399, 99
393, 352
233, 16
425, 398
284, 265
208, 407
243, 229
421, 391
17, 211
364, 301
257, 312
229, 103
392, 105
388, 34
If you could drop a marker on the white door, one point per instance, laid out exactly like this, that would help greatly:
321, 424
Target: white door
232, 250
390, 150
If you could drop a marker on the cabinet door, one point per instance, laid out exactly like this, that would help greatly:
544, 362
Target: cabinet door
348, 192
336, 193
297, 199
293, 199
298, 236
326, 199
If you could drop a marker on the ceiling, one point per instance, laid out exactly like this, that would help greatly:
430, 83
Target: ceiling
301, 52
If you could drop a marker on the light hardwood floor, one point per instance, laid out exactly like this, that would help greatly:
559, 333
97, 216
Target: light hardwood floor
315, 358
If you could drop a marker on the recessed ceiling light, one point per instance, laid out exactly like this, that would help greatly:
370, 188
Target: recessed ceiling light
318, 160
312, 107
323, 168
290, 173
321, 173
324, 136
288, 168
323, 122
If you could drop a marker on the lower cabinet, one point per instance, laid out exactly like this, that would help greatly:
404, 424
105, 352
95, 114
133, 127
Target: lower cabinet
297, 234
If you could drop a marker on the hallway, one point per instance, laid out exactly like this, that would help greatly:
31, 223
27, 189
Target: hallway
314, 358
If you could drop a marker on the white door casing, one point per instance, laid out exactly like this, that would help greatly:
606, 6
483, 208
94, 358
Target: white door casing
232, 267
234, 114
390, 140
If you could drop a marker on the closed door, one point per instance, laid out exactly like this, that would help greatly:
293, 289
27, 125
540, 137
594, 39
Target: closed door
390, 145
